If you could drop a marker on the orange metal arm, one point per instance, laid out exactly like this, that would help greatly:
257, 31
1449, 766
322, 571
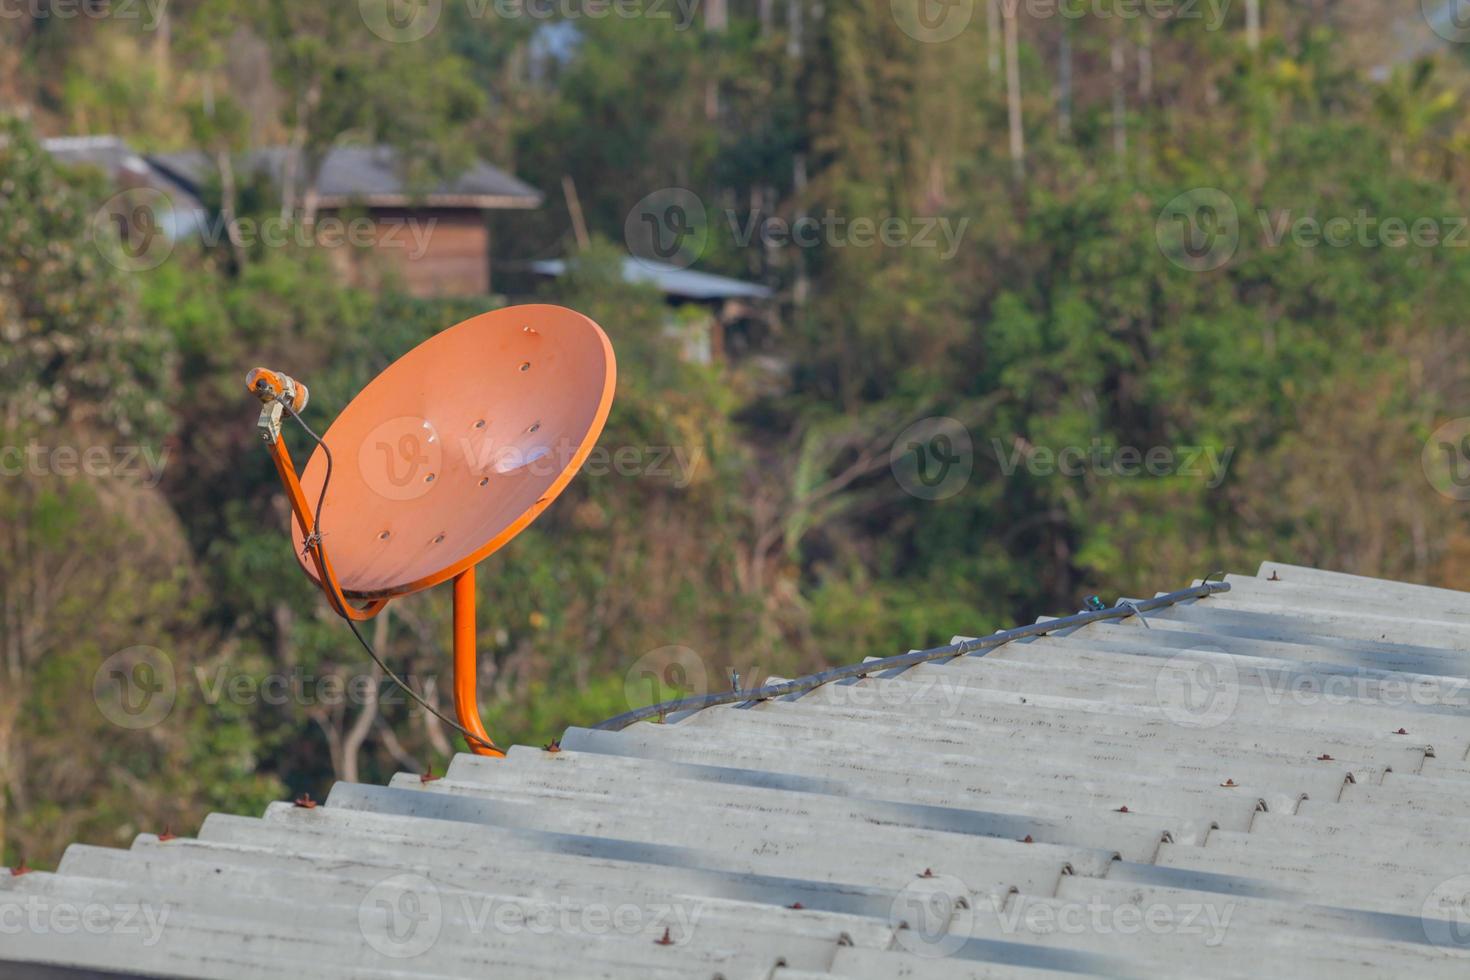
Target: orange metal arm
328, 581
466, 665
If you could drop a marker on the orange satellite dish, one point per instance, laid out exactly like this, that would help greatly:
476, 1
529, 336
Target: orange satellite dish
442, 459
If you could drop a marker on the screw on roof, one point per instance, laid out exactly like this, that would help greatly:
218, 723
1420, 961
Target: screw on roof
1229, 784
305, 802
428, 776
1324, 757
168, 834
553, 746
667, 940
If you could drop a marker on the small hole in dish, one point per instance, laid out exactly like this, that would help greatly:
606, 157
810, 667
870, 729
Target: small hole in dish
535, 427
383, 536
430, 478
439, 538
484, 481
480, 423
525, 366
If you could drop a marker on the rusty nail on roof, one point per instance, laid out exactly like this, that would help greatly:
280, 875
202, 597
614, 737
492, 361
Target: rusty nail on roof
1027, 840
16, 872
1229, 784
667, 940
1121, 809
306, 802
928, 873
553, 746
1324, 757
1401, 731
168, 833
796, 905
1274, 577
428, 776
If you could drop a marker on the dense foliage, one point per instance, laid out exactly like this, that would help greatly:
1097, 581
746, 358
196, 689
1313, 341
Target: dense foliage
1129, 244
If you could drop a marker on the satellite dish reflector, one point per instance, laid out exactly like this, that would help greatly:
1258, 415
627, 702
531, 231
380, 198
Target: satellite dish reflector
458, 445
442, 459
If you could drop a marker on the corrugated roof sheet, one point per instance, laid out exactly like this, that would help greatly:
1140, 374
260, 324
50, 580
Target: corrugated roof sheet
370, 175
1267, 782
672, 280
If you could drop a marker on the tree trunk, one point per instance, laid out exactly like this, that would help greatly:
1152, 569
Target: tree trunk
1253, 24
1013, 87
992, 36
1064, 82
1120, 105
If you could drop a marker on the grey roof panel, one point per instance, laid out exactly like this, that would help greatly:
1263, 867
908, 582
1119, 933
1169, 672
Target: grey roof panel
1285, 765
368, 174
672, 280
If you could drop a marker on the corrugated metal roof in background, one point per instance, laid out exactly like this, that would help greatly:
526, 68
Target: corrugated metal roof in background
1267, 782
